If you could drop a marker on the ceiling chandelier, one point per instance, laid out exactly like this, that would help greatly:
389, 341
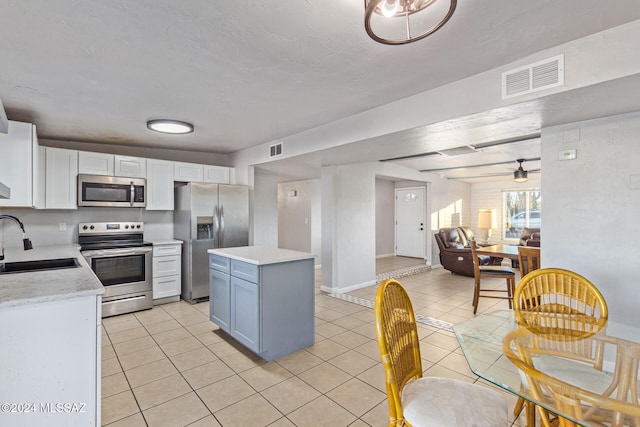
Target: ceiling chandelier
404, 21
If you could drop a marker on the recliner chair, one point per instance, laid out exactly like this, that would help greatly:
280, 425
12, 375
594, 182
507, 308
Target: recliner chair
455, 252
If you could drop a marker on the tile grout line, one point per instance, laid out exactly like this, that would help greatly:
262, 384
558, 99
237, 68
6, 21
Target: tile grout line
396, 274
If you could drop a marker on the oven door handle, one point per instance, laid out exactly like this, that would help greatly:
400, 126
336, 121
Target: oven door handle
116, 252
124, 299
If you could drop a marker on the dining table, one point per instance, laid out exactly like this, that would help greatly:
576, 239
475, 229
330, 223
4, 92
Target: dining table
608, 367
499, 251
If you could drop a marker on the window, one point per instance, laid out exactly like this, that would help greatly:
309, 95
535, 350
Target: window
520, 209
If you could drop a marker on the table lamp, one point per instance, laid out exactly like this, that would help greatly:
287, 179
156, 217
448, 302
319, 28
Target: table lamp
487, 220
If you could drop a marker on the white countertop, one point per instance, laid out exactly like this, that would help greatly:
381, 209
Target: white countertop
47, 285
261, 254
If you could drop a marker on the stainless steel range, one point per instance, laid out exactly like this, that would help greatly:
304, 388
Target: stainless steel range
121, 259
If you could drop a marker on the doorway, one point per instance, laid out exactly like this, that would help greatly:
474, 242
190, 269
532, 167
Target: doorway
410, 222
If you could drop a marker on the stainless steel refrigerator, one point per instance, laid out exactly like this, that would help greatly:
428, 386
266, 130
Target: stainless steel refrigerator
207, 216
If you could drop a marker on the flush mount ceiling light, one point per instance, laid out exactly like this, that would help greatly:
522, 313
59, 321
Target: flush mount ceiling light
169, 126
520, 175
404, 21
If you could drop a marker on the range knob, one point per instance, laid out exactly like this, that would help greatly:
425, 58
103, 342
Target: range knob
126, 226
91, 227
138, 226
85, 227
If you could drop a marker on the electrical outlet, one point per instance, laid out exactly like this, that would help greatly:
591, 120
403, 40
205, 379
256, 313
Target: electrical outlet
62, 226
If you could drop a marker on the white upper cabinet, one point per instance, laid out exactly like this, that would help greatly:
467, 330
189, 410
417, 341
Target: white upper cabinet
159, 185
217, 174
130, 167
61, 170
188, 172
111, 165
19, 165
95, 163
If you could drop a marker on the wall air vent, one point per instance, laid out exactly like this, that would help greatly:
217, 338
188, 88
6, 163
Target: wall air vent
275, 150
534, 77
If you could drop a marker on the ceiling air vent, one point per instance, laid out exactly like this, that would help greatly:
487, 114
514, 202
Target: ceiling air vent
465, 149
275, 150
533, 77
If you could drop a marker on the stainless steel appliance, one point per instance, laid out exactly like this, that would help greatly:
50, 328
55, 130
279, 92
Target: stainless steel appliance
121, 259
111, 191
207, 216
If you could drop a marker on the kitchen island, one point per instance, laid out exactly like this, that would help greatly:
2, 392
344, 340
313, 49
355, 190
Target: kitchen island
264, 298
50, 324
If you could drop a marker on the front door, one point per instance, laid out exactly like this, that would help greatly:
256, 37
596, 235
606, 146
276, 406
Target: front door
410, 222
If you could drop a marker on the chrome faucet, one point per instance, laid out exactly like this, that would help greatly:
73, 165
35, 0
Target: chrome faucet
25, 240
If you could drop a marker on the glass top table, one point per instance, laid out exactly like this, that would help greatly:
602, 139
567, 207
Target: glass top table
608, 362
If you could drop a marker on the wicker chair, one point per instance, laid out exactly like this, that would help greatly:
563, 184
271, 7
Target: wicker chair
611, 401
558, 291
490, 271
554, 300
415, 400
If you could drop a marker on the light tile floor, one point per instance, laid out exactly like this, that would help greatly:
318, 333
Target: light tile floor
170, 366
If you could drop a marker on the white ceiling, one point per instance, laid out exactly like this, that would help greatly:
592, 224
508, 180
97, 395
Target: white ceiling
246, 72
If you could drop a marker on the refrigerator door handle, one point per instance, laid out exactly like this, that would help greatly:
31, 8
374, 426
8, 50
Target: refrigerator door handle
222, 226
216, 226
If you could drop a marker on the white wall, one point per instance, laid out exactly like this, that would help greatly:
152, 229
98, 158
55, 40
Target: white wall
592, 207
450, 206
299, 218
385, 217
348, 227
42, 226
610, 55
264, 209
348, 218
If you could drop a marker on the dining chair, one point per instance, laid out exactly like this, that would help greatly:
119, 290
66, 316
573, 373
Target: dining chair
528, 259
605, 399
487, 272
415, 400
554, 300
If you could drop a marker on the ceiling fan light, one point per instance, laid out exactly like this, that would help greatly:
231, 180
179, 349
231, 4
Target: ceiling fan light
520, 175
389, 8
170, 126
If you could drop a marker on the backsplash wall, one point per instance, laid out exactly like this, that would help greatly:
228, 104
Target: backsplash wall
43, 226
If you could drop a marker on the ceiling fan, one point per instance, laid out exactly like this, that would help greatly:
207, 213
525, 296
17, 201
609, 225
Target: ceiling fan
520, 175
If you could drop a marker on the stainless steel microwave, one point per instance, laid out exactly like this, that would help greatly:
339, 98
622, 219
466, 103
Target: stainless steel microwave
111, 191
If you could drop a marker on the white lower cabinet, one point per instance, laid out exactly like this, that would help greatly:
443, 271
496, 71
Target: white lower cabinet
167, 270
50, 361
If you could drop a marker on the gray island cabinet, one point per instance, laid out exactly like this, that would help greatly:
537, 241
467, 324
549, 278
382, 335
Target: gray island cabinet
263, 297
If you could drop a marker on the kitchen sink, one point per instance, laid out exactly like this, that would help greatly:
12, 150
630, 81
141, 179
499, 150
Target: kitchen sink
38, 265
